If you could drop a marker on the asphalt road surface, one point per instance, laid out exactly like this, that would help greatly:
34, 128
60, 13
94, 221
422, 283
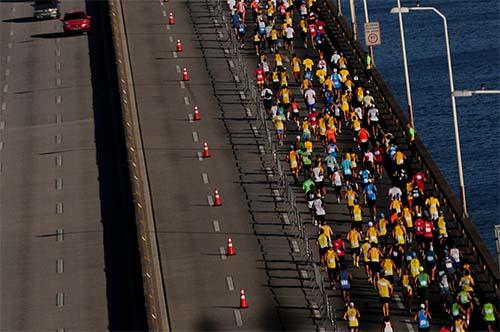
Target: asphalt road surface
67, 238
202, 286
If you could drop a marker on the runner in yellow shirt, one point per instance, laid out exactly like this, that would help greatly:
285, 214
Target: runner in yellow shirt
296, 67
352, 316
432, 203
354, 238
294, 165
399, 234
321, 75
350, 196
308, 64
385, 290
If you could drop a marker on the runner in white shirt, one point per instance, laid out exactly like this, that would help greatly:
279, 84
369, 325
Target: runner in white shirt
394, 193
289, 34
319, 210
335, 58
310, 97
373, 114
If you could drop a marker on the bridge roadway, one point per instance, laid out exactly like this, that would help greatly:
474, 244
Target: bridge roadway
190, 232
338, 217
58, 237
201, 285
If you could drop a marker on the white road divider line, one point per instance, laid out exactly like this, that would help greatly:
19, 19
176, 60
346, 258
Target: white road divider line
237, 317
60, 265
216, 226
222, 252
204, 177
195, 136
230, 283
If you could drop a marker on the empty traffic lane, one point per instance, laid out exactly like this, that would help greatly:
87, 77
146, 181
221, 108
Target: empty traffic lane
55, 197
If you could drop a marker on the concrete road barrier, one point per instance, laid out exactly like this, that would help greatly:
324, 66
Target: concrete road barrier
154, 292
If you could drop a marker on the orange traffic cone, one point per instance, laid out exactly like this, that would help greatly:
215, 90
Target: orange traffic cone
171, 18
185, 76
243, 299
178, 46
206, 153
196, 114
230, 249
217, 200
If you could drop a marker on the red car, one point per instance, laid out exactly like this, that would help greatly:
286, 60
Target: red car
76, 22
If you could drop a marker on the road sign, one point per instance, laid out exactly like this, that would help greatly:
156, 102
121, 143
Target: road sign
372, 34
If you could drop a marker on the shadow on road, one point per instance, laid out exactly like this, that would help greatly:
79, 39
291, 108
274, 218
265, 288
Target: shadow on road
27, 19
124, 288
52, 35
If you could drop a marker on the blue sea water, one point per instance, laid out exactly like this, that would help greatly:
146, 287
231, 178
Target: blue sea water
474, 32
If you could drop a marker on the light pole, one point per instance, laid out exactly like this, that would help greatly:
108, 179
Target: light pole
403, 10
400, 11
353, 20
339, 7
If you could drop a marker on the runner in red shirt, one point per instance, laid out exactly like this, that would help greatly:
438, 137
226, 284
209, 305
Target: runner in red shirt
378, 153
312, 117
428, 229
312, 30
363, 139
321, 27
419, 230
419, 179
339, 247
260, 76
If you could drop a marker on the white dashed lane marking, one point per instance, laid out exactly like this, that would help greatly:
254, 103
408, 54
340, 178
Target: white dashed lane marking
60, 265
60, 299
178, 69
60, 235
222, 252
186, 100
59, 160
204, 176
237, 317
59, 208
59, 183
195, 136
216, 226
230, 283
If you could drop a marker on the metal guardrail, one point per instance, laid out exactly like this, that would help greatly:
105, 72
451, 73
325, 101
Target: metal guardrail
466, 228
322, 303
154, 295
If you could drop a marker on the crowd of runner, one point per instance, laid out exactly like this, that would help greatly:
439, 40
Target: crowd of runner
407, 244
